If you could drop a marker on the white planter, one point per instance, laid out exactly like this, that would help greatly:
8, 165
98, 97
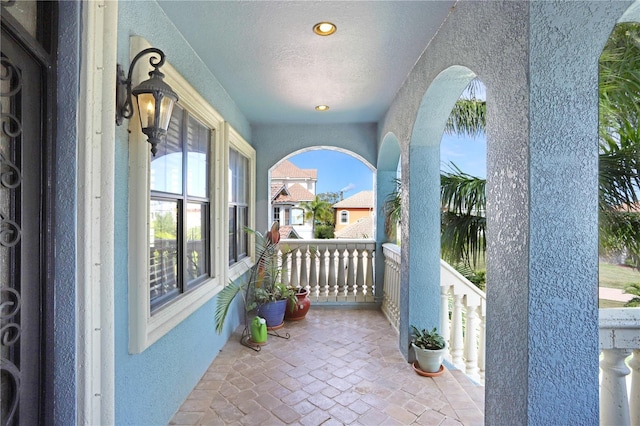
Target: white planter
429, 360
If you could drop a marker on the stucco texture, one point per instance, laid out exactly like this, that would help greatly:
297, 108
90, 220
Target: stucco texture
538, 61
150, 386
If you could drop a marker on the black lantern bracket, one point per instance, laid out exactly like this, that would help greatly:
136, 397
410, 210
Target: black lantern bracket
158, 95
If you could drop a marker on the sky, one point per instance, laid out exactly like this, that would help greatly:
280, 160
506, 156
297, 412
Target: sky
339, 171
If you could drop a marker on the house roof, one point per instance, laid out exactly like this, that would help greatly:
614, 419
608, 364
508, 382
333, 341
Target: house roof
363, 199
293, 194
286, 169
363, 228
287, 231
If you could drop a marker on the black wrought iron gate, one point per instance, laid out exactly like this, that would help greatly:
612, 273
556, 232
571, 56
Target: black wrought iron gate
26, 130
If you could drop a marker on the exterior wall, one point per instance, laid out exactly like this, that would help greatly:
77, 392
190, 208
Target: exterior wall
538, 61
354, 216
150, 386
273, 142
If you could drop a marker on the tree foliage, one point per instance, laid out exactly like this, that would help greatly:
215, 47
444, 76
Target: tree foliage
318, 211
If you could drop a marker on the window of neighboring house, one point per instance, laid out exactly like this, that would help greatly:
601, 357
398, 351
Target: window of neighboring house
179, 237
344, 216
238, 205
276, 214
297, 216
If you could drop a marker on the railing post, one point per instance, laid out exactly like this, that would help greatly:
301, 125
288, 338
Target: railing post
359, 289
457, 342
614, 405
351, 269
323, 287
313, 272
304, 277
634, 397
341, 273
285, 267
481, 346
368, 281
472, 342
445, 327
293, 279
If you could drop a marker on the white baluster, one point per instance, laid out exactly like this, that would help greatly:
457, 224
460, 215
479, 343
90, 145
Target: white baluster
351, 269
634, 397
284, 275
359, 289
457, 342
445, 329
396, 295
313, 272
304, 277
323, 287
481, 346
340, 272
293, 281
614, 405
368, 281
471, 343
334, 275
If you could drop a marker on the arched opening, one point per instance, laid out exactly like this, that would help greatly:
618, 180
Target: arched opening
323, 192
421, 244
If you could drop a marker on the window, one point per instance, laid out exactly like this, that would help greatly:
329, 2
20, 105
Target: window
344, 216
297, 216
238, 205
240, 201
276, 214
179, 206
177, 214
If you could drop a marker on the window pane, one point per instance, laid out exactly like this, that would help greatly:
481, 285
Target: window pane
233, 175
166, 166
198, 158
232, 234
242, 234
197, 259
297, 217
163, 249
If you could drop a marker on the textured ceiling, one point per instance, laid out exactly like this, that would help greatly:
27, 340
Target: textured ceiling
277, 70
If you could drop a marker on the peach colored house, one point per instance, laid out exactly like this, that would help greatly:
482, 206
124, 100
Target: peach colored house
357, 209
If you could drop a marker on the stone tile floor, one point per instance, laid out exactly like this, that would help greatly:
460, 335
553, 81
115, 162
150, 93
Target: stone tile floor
339, 367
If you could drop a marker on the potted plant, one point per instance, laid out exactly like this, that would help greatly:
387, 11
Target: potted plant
299, 308
263, 288
429, 347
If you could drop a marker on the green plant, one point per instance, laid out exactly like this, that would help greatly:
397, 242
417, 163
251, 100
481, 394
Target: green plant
264, 283
426, 339
635, 290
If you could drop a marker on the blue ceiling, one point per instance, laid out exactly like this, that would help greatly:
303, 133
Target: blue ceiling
267, 57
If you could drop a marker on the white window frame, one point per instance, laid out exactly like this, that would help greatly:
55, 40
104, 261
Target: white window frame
237, 142
144, 328
343, 222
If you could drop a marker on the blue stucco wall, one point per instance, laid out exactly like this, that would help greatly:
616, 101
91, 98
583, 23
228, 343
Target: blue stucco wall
150, 386
64, 315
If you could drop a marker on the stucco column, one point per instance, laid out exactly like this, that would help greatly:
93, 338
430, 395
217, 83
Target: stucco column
419, 300
385, 185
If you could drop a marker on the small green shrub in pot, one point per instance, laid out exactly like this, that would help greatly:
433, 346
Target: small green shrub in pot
429, 347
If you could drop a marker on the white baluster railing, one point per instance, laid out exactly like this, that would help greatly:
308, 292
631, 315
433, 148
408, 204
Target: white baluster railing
620, 346
465, 333
335, 270
391, 288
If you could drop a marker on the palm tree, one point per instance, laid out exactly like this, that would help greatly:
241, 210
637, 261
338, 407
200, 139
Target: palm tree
619, 132
463, 221
317, 210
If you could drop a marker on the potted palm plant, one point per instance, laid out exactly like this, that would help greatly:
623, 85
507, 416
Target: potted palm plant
263, 290
429, 347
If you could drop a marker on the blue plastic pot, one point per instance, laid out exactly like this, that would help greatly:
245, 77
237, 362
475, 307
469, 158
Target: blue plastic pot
273, 312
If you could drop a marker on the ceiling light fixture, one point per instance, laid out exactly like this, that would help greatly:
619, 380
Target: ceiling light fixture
324, 28
322, 107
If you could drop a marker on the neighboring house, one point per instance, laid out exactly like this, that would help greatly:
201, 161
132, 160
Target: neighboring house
290, 186
352, 211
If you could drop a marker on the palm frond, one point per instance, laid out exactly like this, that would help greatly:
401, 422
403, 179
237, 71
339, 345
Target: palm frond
468, 117
223, 302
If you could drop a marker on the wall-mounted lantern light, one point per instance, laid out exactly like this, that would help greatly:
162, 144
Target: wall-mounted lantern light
155, 99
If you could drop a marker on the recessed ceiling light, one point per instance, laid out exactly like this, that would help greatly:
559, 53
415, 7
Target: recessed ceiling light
324, 28
322, 107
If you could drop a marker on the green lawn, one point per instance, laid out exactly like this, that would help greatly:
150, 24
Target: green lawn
617, 276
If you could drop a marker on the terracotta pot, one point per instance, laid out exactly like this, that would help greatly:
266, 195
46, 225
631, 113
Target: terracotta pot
301, 308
